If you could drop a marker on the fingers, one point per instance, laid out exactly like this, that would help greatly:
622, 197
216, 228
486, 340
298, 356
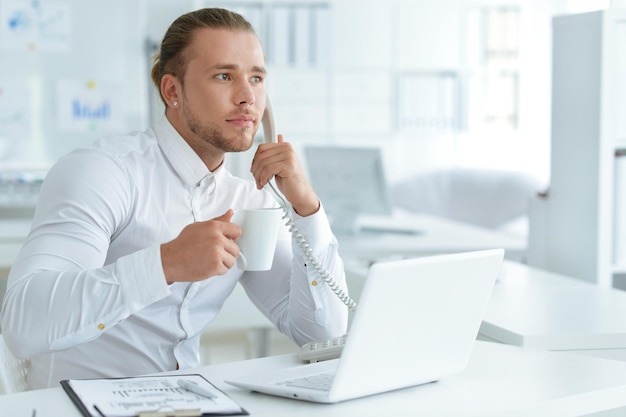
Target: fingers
201, 250
230, 254
273, 159
226, 216
280, 160
231, 230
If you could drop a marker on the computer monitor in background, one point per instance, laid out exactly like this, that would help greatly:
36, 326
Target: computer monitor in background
350, 182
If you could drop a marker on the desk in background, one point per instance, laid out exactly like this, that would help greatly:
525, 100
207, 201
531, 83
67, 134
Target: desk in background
499, 380
534, 308
435, 235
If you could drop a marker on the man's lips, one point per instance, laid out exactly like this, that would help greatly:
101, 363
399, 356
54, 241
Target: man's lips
242, 121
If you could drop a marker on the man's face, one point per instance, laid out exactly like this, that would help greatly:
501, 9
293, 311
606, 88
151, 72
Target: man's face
224, 89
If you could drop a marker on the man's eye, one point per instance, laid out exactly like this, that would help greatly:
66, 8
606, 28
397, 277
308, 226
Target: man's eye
223, 77
257, 80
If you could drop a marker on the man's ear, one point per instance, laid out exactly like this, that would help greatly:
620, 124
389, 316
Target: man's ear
170, 90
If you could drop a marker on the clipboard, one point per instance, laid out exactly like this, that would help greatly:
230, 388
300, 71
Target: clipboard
180, 395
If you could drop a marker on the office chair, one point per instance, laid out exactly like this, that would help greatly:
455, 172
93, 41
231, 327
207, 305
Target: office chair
488, 198
12, 371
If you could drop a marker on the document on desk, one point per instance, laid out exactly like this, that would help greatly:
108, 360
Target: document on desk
154, 396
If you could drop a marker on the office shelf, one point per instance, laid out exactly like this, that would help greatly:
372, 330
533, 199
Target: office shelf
588, 125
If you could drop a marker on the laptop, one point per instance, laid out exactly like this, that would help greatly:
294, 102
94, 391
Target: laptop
416, 322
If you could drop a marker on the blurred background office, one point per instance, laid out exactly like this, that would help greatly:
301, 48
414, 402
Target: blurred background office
435, 82
456, 93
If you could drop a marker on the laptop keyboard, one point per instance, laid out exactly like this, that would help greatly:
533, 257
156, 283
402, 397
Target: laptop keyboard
321, 382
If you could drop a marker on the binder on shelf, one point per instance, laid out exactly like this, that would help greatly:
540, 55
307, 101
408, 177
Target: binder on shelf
302, 37
299, 35
321, 36
280, 36
152, 396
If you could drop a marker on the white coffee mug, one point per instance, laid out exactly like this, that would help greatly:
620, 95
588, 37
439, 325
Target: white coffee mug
259, 232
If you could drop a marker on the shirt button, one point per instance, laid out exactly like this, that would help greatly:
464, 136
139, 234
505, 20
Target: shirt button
314, 283
101, 326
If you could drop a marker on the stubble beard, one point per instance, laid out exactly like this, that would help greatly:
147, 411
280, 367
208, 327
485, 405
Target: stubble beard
213, 135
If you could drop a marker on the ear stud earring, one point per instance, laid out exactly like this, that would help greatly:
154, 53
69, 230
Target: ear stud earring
174, 103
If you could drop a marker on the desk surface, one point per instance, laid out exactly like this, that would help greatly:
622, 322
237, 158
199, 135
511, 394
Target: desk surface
499, 380
435, 235
535, 308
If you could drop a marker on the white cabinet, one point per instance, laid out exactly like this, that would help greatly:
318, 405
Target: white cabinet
588, 125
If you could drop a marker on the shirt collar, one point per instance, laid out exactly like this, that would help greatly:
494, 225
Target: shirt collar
181, 156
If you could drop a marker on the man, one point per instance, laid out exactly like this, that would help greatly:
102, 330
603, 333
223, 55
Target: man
132, 252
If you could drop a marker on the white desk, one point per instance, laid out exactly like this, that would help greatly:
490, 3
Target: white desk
435, 235
500, 380
534, 308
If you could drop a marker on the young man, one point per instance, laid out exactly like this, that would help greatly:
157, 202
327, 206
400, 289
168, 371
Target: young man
132, 252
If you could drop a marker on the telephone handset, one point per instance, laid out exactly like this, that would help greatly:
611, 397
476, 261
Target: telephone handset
269, 129
269, 134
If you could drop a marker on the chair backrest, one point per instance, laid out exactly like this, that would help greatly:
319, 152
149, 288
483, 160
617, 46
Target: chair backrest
487, 198
12, 371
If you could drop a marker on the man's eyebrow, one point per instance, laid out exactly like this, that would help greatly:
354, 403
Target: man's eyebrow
255, 68
261, 70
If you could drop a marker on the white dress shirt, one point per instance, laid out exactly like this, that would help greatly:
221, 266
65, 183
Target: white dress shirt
87, 296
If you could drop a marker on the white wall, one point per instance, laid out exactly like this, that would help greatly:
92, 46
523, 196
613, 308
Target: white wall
371, 42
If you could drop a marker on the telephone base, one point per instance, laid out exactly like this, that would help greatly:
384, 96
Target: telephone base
322, 350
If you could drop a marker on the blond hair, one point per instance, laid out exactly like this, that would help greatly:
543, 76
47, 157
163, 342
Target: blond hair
170, 59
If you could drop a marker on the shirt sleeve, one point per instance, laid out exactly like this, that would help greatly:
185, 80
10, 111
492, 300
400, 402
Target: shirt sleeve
60, 293
292, 294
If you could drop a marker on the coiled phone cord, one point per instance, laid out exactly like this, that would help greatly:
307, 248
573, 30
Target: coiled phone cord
308, 252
